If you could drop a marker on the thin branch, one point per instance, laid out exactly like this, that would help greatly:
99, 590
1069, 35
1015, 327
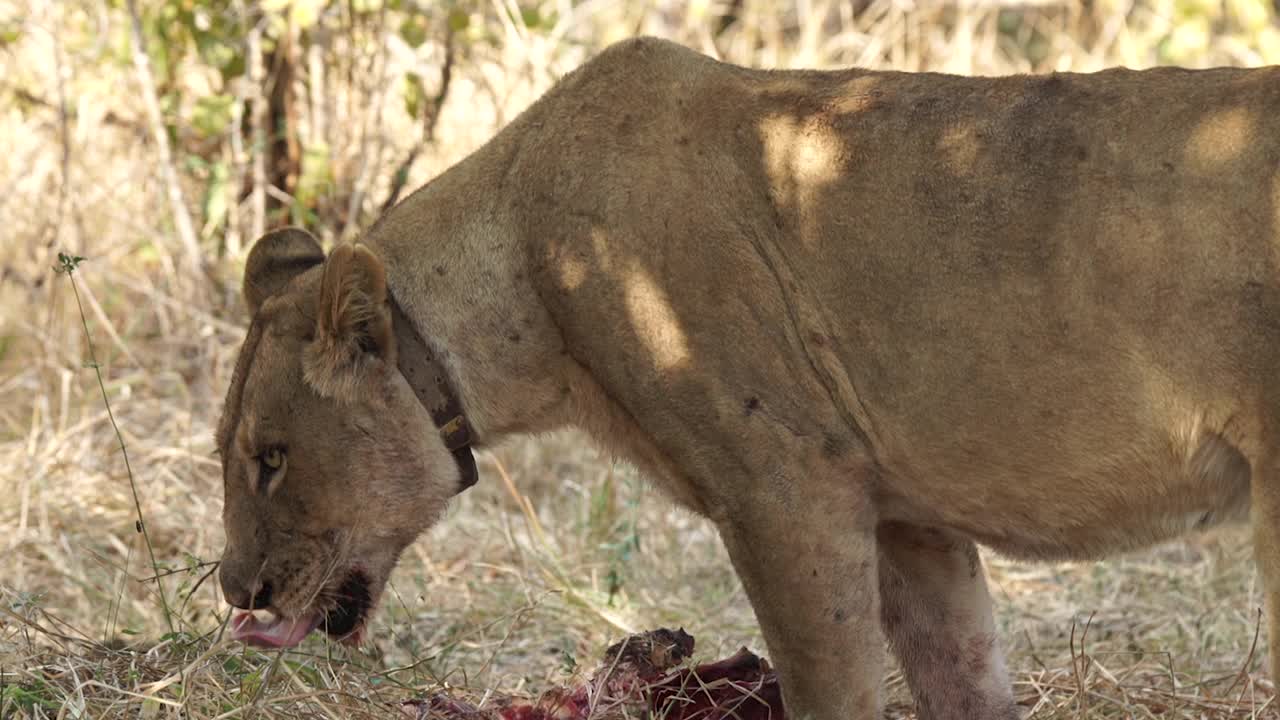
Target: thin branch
111, 117
67, 265
257, 132
429, 122
64, 141
177, 204
351, 223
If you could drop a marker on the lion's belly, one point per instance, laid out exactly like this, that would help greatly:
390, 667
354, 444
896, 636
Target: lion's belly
1138, 490
1121, 527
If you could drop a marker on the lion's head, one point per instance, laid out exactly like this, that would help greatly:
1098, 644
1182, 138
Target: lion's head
330, 464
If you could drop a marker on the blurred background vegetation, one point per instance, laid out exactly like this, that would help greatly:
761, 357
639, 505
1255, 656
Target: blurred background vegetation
318, 112
158, 138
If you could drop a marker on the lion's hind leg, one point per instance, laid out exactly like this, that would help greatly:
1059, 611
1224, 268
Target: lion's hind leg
936, 613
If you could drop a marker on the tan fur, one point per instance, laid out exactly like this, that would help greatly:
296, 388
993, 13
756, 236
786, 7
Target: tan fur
353, 325
317, 380
861, 320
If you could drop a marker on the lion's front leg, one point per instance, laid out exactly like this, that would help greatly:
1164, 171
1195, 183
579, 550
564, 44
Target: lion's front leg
809, 567
937, 614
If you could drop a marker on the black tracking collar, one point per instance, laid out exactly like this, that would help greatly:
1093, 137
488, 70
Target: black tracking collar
431, 385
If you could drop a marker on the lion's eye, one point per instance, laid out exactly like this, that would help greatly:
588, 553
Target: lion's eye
272, 459
271, 463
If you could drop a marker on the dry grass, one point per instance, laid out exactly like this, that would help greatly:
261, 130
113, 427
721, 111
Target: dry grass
526, 581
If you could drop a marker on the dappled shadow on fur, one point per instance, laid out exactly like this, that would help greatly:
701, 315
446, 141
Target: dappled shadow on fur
1018, 308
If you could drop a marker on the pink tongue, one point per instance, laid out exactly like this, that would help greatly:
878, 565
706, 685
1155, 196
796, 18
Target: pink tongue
276, 633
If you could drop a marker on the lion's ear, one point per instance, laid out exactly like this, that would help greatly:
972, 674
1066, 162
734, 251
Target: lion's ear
353, 321
277, 258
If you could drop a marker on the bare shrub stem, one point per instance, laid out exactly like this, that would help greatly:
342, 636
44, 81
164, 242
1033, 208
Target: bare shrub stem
67, 265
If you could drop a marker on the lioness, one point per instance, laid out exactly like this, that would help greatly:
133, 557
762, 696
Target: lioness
861, 320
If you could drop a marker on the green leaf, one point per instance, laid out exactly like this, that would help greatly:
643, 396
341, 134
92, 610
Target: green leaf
414, 31
233, 69
458, 20
1008, 21
214, 203
250, 683
307, 672
1197, 9
10, 33
568, 663
316, 176
274, 28
614, 578
305, 13
415, 95
28, 696
212, 114
221, 48
68, 263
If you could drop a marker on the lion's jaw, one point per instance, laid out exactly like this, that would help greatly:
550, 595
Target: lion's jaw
343, 619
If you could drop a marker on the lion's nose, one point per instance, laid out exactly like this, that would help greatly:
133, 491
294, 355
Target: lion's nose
243, 595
